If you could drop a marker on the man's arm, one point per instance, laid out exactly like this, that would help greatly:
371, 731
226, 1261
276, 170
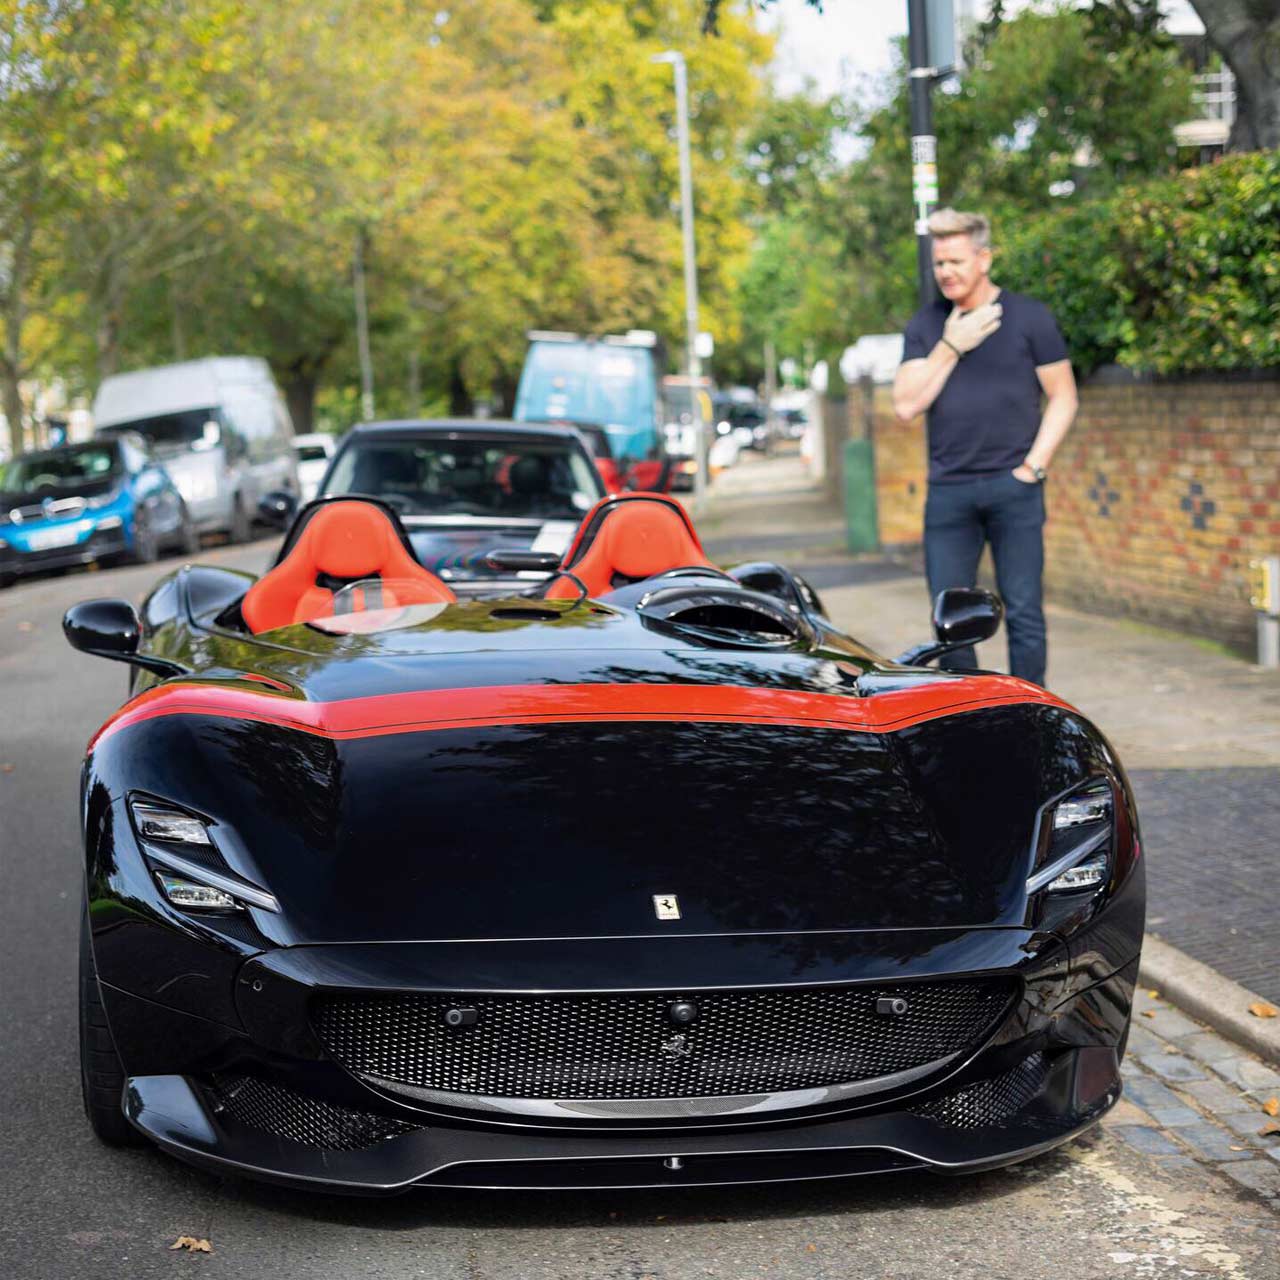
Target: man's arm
1059, 385
918, 383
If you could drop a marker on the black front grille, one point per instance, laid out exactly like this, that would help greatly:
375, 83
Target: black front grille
988, 1103
627, 1046
288, 1114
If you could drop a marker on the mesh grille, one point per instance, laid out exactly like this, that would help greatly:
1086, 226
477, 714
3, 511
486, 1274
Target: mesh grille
626, 1046
989, 1103
295, 1116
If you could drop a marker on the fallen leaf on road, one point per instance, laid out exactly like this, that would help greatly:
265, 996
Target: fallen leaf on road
1272, 1106
192, 1245
811, 1248
6, 768
1272, 1126
1154, 994
1261, 1009
1148, 1013
26, 626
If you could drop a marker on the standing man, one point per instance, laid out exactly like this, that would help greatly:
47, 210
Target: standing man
978, 360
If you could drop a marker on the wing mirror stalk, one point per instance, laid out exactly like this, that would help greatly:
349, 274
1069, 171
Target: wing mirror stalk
111, 629
961, 616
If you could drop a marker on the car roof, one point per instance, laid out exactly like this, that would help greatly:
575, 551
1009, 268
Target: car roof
480, 427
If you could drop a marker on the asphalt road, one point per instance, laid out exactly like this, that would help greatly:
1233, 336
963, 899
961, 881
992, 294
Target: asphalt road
71, 1208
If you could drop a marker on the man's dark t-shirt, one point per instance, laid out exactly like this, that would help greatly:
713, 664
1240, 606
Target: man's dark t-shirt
987, 415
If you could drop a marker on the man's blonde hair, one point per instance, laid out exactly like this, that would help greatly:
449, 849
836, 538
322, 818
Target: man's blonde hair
951, 222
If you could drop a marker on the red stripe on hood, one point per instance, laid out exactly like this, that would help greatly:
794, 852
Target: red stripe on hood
425, 710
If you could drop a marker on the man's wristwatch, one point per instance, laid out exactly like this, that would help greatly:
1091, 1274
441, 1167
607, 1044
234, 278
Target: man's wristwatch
1040, 473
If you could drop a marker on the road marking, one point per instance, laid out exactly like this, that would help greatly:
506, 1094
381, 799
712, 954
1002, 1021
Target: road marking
1170, 1234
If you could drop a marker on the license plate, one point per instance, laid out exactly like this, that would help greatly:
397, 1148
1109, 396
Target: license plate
47, 539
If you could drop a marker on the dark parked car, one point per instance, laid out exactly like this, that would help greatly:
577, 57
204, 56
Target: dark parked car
653, 879
463, 487
105, 500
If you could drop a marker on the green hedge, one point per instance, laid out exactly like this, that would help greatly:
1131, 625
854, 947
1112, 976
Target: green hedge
1174, 275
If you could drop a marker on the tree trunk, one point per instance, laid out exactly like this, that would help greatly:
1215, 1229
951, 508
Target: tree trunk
1247, 34
110, 323
11, 401
504, 388
300, 395
414, 387
459, 398
177, 329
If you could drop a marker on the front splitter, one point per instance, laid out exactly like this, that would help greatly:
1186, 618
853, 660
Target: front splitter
171, 1110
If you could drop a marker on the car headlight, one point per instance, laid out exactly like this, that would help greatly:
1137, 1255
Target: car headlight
179, 845
1076, 841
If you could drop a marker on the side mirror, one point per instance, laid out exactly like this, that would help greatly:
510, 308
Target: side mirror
961, 616
966, 615
278, 508
110, 629
210, 436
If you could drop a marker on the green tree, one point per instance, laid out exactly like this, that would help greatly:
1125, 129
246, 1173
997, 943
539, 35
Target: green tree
1044, 107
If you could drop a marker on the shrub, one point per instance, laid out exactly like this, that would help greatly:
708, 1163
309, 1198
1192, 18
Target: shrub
1174, 275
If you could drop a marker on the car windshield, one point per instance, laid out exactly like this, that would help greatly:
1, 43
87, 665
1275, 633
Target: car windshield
311, 452
61, 468
530, 478
168, 432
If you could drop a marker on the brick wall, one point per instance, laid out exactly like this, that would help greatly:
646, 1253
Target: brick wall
1158, 498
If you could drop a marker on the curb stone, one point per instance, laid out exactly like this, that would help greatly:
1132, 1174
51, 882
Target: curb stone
1207, 996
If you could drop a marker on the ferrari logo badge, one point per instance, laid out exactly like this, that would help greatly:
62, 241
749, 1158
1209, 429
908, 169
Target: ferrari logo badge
666, 906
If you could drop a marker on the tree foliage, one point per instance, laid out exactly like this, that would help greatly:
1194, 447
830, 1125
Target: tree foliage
1047, 105
185, 177
1172, 275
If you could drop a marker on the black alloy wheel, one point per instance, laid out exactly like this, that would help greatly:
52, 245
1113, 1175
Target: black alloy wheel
101, 1073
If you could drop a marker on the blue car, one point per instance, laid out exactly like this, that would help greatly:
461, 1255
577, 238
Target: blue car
104, 500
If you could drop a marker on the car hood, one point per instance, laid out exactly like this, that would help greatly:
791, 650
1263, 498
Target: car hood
10, 498
559, 830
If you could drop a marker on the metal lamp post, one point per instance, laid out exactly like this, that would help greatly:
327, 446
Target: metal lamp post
693, 364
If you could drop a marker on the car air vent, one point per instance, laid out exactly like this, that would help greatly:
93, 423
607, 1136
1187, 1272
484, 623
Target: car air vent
517, 614
725, 616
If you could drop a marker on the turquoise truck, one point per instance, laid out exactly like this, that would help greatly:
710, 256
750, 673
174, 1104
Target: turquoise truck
609, 381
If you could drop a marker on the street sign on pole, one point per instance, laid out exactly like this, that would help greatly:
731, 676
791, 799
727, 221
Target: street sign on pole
692, 356
924, 144
940, 22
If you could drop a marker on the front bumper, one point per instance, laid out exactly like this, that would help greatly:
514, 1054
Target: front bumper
95, 543
1075, 1089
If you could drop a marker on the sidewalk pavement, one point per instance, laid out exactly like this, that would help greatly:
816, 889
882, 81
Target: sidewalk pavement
1190, 1095
1197, 729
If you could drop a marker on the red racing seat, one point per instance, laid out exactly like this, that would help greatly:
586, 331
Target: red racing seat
342, 542
626, 538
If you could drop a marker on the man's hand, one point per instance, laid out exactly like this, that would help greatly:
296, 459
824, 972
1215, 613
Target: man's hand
965, 330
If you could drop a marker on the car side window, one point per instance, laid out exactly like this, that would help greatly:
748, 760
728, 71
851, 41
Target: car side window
254, 421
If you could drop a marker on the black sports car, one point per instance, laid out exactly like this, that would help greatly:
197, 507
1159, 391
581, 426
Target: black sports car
655, 878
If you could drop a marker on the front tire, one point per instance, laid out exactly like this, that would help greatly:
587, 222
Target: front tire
146, 546
188, 536
101, 1072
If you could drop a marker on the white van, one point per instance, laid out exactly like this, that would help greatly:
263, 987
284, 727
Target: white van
219, 426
